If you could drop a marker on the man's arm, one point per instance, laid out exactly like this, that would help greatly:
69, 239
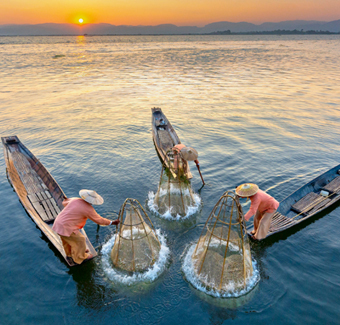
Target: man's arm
252, 210
95, 217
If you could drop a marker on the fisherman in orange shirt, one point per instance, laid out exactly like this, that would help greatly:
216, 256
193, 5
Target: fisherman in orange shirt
186, 153
73, 218
263, 206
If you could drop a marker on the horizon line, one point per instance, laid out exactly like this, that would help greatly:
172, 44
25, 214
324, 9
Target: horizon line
214, 22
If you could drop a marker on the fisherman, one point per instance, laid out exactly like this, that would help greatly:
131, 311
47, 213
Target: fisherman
186, 153
263, 206
73, 218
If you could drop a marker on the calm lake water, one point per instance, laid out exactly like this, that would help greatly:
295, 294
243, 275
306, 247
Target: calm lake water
259, 109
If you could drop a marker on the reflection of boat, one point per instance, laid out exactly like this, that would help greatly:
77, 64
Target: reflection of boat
37, 190
165, 138
314, 197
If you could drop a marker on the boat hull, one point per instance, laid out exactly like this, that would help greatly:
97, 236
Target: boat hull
165, 138
37, 190
317, 196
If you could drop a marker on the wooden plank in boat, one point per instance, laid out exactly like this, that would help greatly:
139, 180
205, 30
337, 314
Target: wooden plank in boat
47, 209
56, 208
40, 197
333, 186
319, 206
279, 221
44, 196
52, 210
33, 198
48, 194
40, 210
165, 140
307, 202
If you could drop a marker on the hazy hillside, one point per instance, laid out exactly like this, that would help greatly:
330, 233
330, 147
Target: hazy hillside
108, 29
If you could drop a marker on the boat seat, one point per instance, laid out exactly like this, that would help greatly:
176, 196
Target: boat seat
333, 186
310, 203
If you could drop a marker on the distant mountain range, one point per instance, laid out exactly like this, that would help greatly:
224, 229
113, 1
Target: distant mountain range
165, 29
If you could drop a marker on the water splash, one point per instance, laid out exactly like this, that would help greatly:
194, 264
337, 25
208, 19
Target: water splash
149, 276
191, 276
191, 209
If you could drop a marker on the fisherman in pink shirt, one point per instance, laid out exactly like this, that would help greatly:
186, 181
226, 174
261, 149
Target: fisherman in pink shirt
73, 217
263, 206
186, 153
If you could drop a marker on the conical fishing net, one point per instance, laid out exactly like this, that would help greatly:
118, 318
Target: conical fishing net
174, 195
222, 258
136, 247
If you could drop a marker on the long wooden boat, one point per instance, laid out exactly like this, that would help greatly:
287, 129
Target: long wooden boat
165, 138
311, 199
37, 190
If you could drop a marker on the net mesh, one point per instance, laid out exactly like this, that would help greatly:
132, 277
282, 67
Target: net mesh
136, 247
174, 194
222, 258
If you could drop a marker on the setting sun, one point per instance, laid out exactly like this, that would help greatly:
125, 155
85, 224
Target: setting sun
81, 20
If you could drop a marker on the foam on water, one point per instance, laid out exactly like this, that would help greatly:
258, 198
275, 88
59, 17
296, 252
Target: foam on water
191, 276
191, 209
174, 190
214, 242
150, 275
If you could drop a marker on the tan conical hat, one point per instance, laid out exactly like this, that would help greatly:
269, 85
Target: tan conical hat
91, 197
188, 153
247, 189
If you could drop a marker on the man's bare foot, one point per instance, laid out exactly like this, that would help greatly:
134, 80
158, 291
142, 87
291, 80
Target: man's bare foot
89, 257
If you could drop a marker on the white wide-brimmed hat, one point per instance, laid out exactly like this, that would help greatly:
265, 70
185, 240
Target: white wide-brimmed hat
91, 197
247, 189
189, 154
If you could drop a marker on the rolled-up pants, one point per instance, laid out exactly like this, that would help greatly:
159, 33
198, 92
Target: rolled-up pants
75, 247
262, 221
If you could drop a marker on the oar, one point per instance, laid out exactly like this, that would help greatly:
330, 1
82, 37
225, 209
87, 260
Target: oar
198, 167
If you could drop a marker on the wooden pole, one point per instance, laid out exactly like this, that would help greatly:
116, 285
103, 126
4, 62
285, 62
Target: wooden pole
198, 167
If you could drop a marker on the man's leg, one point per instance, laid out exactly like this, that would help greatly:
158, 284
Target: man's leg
257, 219
78, 247
66, 245
264, 225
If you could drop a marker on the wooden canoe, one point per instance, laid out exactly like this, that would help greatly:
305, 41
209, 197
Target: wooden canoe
165, 138
311, 199
38, 192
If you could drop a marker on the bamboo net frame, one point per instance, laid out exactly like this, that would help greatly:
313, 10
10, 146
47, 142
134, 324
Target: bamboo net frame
137, 246
174, 191
222, 258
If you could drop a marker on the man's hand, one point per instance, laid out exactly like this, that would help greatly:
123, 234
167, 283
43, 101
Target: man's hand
115, 222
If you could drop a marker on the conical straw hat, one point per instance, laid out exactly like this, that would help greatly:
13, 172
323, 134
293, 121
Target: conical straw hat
91, 197
188, 153
247, 189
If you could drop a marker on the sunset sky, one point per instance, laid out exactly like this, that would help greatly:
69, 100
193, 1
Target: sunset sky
153, 12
